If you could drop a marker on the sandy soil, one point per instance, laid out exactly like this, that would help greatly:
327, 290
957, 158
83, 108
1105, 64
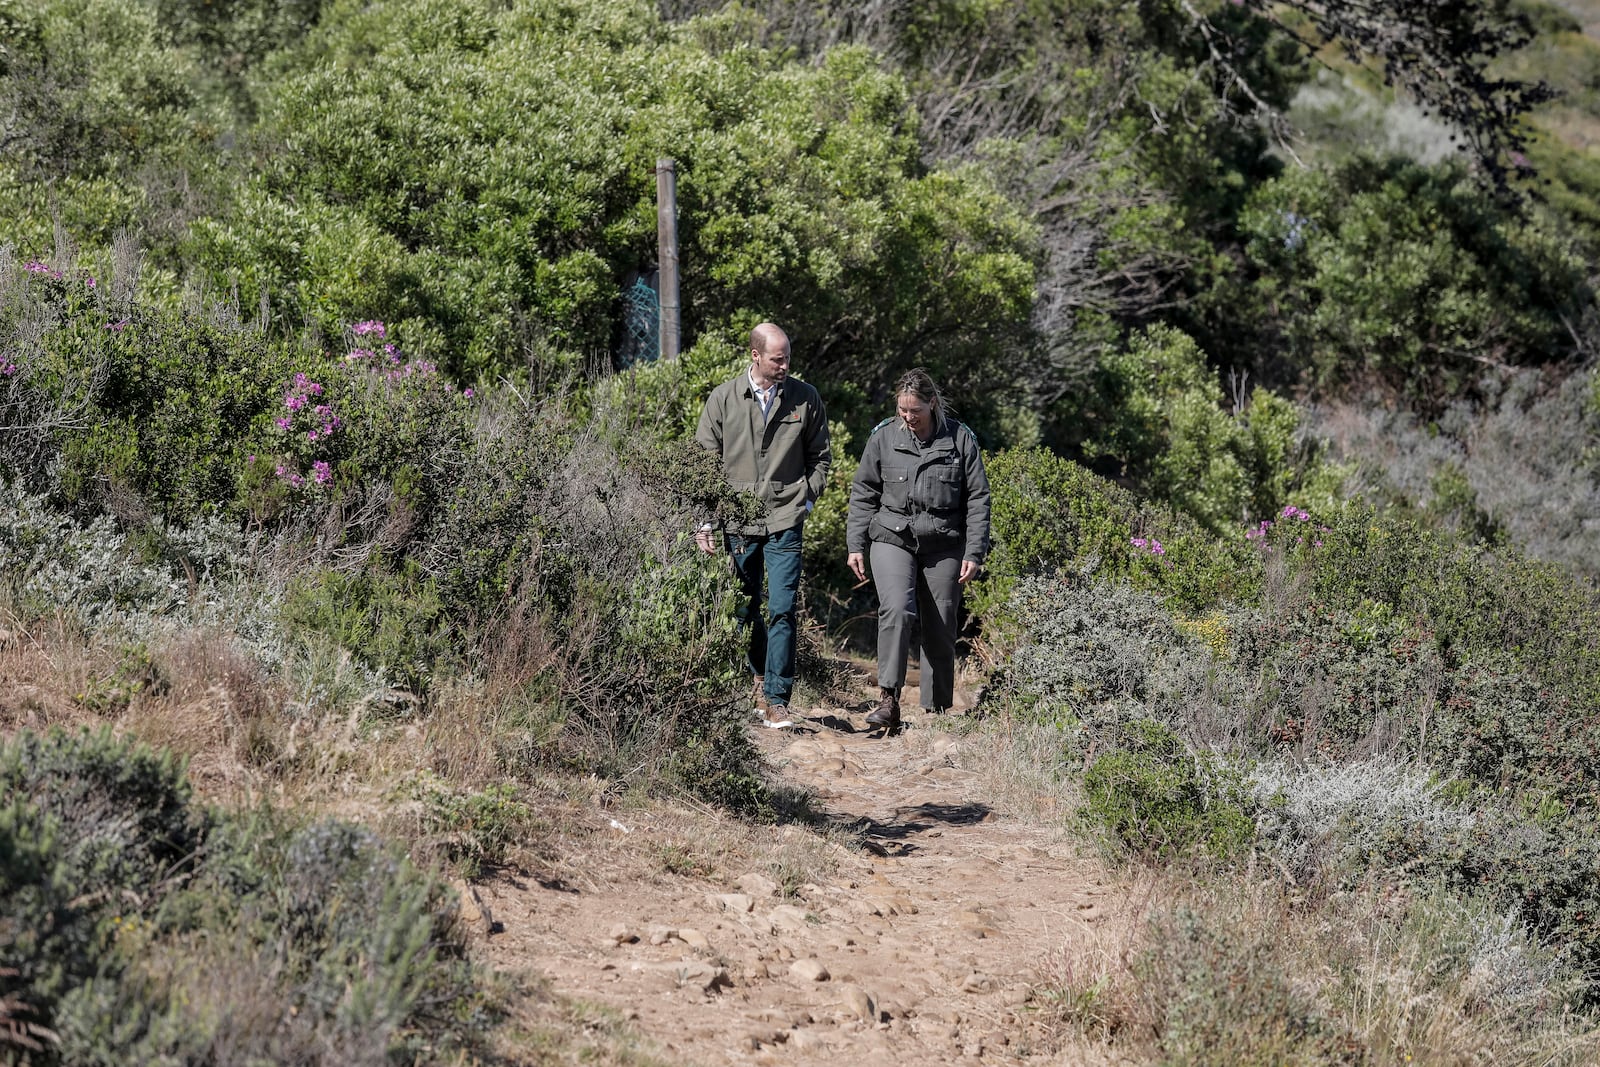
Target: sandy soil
942, 931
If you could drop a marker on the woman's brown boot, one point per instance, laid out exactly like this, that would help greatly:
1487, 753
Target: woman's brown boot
887, 713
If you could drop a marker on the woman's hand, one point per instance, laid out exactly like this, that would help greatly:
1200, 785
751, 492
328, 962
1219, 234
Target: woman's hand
857, 565
969, 571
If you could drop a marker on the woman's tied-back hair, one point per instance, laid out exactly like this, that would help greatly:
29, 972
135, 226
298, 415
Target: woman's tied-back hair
919, 383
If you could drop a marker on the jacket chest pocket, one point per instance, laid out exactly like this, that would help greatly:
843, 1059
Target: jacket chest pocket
943, 486
896, 487
781, 449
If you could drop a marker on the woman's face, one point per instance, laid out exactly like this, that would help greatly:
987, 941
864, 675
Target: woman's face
917, 414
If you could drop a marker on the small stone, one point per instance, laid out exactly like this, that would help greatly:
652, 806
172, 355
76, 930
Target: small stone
787, 916
694, 974
898, 903
862, 907
807, 1040
859, 1002
738, 903
977, 983
660, 935
474, 912
974, 1049
757, 885
620, 935
754, 1039
692, 937
1015, 996
809, 970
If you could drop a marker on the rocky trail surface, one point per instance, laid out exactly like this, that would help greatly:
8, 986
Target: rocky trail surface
939, 938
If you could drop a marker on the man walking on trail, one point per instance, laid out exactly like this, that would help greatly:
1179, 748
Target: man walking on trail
771, 432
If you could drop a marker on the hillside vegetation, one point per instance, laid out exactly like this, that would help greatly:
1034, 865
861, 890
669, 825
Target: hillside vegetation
344, 545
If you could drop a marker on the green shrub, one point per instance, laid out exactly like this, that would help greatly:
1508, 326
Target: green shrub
367, 210
336, 949
476, 828
1162, 423
125, 808
148, 931
1493, 608
1086, 645
50, 943
1408, 273
111, 396
1050, 514
1223, 996
394, 622
1155, 797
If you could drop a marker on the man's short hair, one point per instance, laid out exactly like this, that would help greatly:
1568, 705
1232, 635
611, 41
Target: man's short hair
765, 335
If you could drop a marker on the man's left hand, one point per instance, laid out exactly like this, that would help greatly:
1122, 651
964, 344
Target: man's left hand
969, 571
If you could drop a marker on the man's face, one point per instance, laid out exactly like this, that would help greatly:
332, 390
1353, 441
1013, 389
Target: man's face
771, 366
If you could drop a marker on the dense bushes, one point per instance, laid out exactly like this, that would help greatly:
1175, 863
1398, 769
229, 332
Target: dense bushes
147, 929
1159, 418
107, 398
1408, 274
483, 179
1317, 710
1050, 513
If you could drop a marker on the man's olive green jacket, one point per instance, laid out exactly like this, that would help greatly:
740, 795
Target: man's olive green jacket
783, 459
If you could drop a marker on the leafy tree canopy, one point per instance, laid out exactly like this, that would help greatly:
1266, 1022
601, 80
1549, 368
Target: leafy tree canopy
482, 175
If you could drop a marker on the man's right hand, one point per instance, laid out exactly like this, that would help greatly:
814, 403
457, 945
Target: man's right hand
707, 541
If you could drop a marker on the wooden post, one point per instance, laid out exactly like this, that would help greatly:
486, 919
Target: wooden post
667, 238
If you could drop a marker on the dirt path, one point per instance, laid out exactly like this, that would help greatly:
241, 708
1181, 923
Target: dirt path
935, 943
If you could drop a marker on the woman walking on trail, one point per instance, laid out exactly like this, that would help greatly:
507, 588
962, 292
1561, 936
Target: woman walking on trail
919, 517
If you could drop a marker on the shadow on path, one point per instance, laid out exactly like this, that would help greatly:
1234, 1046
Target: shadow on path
893, 837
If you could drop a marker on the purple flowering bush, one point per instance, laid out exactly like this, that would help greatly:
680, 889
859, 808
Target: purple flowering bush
371, 414
1050, 514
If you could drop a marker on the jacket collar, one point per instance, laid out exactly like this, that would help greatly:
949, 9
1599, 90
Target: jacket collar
905, 441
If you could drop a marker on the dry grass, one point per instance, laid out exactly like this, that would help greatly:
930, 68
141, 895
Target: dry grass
1021, 770
249, 737
552, 1031
1237, 971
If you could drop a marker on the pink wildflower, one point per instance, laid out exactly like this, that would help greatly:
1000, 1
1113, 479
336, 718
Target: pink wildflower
321, 472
